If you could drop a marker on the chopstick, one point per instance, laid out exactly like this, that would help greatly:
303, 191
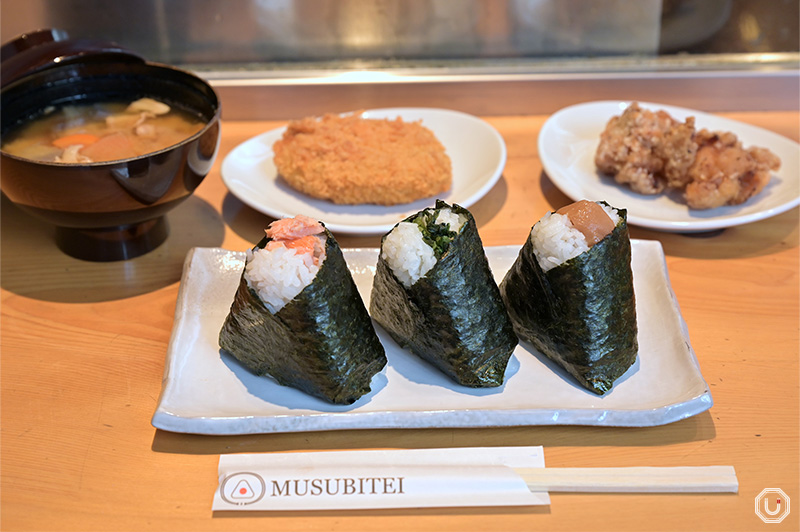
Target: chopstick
705, 479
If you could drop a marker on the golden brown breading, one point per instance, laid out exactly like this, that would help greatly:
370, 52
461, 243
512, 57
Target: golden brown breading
650, 152
678, 151
352, 160
724, 173
646, 150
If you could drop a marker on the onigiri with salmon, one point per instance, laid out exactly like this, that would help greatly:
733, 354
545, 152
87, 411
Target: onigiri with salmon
297, 316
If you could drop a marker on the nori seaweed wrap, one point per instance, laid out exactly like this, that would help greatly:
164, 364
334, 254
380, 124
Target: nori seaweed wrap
452, 316
581, 313
321, 342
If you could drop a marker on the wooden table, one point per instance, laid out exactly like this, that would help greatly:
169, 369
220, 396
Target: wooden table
83, 347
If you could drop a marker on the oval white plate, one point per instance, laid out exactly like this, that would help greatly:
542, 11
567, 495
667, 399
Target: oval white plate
476, 150
569, 138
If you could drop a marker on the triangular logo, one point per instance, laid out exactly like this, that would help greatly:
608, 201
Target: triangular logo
242, 490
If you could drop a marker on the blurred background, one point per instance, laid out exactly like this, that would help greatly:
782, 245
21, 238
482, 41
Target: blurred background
246, 36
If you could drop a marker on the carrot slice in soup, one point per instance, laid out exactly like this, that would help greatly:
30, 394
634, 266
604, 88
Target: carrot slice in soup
110, 148
76, 138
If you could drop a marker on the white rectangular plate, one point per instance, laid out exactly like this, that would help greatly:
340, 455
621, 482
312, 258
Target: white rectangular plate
206, 391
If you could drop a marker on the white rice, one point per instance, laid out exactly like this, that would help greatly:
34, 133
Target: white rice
447, 216
407, 254
555, 240
278, 275
611, 212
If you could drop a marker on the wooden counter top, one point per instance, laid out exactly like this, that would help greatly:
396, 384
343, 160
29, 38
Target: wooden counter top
83, 347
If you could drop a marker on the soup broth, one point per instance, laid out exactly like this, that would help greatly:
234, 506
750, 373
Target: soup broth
101, 132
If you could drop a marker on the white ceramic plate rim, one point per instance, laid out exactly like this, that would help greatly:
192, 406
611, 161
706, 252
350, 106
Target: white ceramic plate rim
477, 152
205, 391
569, 138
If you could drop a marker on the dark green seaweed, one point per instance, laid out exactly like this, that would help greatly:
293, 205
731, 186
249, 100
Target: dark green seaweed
582, 313
322, 342
453, 317
437, 236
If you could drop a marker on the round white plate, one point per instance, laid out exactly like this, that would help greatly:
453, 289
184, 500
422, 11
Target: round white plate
476, 150
569, 139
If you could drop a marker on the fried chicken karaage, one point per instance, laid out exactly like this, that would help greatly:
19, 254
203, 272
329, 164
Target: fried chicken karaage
650, 152
725, 173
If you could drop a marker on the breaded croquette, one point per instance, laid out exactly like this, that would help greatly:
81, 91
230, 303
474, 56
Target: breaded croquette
353, 160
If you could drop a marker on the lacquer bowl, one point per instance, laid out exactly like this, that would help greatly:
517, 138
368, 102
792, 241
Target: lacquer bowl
113, 210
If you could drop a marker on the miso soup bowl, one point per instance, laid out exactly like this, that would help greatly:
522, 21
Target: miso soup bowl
113, 210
